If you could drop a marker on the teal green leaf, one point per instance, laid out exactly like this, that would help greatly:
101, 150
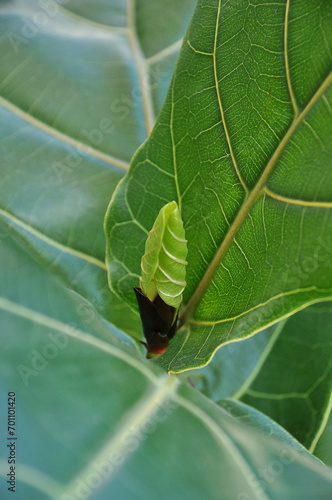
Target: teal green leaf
285, 372
102, 420
243, 144
259, 421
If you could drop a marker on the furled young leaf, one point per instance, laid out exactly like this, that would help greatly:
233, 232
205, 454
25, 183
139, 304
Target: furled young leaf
104, 423
164, 262
243, 144
285, 372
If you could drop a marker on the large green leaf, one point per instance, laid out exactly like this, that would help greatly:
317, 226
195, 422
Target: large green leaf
77, 97
285, 372
243, 144
94, 420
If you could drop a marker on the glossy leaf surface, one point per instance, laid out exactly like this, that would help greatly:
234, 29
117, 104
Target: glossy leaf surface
243, 143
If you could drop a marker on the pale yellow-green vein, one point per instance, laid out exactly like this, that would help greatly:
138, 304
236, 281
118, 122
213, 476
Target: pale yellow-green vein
50, 241
66, 139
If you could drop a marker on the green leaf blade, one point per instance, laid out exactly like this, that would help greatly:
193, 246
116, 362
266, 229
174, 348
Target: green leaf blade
229, 134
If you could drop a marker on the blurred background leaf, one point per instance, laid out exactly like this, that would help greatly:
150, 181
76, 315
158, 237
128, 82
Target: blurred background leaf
284, 371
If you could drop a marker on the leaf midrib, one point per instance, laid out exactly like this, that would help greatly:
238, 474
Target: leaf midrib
225, 440
141, 63
165, 388
131, 425
141, 67
50, 241
156, 57
77, 334
61, 136
248, 203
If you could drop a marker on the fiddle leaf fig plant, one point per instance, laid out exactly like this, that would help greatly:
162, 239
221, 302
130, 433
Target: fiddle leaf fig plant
219, 113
